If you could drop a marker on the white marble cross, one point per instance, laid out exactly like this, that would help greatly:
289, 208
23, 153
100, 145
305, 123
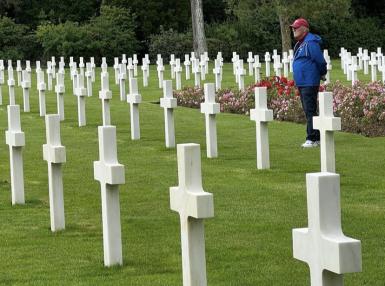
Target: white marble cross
250, 60
11, 84
365, 59
257, 69
187, 64
60, 90
41, 88
55, 155
105, 95
217, 74
322, 245
124, 59
26, 85
93, 67
145, 70
122, 81
267, 63
354, 68
134, 98
241, 75
130, 69
261, 115
210, 108
135, 63
53, 67
373, 64
117, 70
18, 71
360, 55
172, 65
15, 139
110, 174
234, 60
160, 69
81, 93
197, 73
326, 123
202, 64
178, 74
81, 66
168, 103
49, 75
88, 75
193, 205
74, 77
277, 66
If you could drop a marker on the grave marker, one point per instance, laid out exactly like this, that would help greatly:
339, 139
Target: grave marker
15, 139
168, 103
55, 155
193, 205
110, 174
134, 98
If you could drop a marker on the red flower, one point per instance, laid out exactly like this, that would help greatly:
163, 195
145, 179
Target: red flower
290, 83
321, 88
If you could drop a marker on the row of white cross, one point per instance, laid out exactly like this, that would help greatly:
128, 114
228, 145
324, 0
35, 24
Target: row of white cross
322, 245
351, 64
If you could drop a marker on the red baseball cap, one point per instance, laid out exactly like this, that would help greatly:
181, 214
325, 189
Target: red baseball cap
300, 22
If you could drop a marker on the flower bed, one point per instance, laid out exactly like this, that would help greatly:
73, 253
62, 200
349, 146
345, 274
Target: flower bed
361, 107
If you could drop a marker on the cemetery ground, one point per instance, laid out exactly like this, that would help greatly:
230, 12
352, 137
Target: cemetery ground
249, 240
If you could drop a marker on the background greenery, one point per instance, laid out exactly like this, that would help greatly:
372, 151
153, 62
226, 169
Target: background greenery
40, 29
248, 242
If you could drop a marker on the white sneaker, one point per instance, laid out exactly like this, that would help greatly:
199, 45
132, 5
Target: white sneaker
310, 144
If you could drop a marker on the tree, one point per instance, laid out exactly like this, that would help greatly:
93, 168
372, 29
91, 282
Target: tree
199, 38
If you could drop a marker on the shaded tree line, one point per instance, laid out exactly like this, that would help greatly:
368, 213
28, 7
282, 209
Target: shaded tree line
38, 29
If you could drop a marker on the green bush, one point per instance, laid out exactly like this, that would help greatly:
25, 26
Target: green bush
170, 42
14, 39
108, 35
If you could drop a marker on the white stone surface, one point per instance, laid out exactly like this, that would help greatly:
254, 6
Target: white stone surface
373, 65
11, 84
187, 64
241, 72
15, 139
88, 75
210, 108
168, 103
134, 99
117, 70
18, 72
145, 70
110, 174
55, 155
322, 245
49, 75
60, 90
267, 63
81, 93
257, 69
217, 74
122, 81
26, 86
93, 67
250, 61
105, 95
326, 123
135, 63
160, 70
193, 205
41, 88
178, 75
261, 115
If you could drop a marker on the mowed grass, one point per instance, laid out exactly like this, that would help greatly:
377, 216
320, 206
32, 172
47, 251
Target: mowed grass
248, 242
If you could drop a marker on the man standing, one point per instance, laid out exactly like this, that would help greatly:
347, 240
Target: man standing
309, 67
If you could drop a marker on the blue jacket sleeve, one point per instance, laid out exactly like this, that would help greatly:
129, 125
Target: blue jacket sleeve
317, 56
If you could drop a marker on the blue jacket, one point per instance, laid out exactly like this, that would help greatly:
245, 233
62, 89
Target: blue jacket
309, 63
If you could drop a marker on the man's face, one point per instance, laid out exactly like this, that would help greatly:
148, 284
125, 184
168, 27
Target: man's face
299, 32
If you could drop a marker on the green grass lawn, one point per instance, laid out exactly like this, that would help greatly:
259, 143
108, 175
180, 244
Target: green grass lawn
248, 242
